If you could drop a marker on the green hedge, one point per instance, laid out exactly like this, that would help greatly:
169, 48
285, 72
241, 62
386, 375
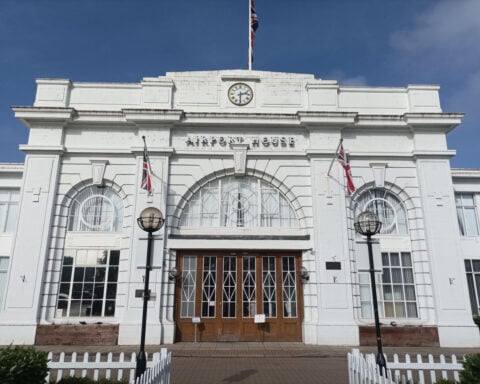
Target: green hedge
471, 370
23, 365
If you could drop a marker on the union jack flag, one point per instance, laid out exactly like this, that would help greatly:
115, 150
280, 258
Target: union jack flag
253, 26
146, 177
342, 159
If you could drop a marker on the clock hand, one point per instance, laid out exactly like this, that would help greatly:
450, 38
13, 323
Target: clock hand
240, 94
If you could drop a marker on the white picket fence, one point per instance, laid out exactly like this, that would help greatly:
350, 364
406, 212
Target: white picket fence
100, 365
364, 370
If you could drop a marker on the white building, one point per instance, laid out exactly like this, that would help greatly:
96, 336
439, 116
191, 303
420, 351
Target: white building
255, 223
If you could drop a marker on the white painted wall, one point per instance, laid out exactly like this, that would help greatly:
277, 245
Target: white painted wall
394, 136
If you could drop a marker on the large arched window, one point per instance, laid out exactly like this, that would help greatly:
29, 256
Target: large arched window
96, 209
388, 208
88, 283
238, 202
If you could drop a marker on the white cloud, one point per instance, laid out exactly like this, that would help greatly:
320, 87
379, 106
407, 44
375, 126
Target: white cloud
468, 96
448, 32
343, 79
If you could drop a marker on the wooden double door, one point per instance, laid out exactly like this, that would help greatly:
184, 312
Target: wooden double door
238, 296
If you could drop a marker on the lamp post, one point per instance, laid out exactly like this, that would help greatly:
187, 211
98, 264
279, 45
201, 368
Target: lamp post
368, 224
150, 220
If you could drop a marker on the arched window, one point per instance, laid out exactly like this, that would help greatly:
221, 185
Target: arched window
388, 208
89, 278
96, 209
238, 202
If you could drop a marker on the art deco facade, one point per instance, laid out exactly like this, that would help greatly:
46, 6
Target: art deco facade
258, 222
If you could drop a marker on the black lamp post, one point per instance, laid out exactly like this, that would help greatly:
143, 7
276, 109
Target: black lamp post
150, 220
368, 224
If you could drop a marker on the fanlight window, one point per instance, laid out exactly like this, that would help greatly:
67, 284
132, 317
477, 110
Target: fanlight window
96, 209
239, 202
388, 208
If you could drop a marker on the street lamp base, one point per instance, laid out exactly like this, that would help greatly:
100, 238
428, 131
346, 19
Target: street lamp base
382, 364
141, 364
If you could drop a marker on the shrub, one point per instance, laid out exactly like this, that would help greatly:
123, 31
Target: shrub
23, 365
471, 370
445, 381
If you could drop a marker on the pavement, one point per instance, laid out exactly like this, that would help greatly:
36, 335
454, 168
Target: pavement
261, 363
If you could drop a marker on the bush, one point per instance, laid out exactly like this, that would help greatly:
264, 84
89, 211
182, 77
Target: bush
471, 370
445, 381
23, 365
84, 380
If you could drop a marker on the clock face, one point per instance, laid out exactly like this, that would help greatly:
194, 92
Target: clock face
240, 94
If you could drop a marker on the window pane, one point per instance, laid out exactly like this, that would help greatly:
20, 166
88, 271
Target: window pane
395, 289
188, 286
410, 292
476, 265
96, 209
289, 287
112, 274
12, 217
269, 287
87, 286
412, 310
229, 286
406, 259
209, 282
114, 257
249, 286
238, 202
396, 275
408, 276
395, 259
388, 208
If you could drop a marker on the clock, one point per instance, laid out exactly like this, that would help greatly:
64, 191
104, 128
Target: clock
240, 94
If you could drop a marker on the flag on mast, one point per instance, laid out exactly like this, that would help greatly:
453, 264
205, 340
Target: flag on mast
146, 177
253, 26
342, 159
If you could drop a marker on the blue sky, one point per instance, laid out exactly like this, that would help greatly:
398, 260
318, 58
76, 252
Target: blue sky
357, 42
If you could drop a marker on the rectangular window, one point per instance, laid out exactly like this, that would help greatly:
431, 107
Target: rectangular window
9, 203
209, 283
187, 307
3, 277
88, 283
289, 287
466, 214
229, 292
269, 288
249, 288
472, 268
395, 289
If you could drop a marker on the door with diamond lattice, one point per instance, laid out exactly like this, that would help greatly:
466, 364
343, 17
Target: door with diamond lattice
224, 296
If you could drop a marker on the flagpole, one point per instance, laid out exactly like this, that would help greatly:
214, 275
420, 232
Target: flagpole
149, 165
249, 35
334, 157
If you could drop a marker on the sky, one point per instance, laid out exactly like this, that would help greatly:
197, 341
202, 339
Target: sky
357, 42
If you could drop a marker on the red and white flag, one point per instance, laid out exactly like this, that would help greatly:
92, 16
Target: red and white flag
146, 177
342, 159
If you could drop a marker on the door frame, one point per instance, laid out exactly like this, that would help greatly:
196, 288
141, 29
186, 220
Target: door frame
218, 328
